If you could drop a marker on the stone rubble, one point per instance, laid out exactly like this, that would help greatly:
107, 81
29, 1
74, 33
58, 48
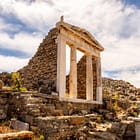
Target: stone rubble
18, 125
46, 115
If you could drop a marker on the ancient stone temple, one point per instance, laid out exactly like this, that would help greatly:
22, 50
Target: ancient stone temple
47, 69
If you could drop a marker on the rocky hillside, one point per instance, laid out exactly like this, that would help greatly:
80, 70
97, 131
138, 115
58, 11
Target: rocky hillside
111, 87
124, 89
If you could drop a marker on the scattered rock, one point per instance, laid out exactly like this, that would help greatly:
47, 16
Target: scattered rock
18, 125
58, 112
76, 120
3, 115
1, 84
102, 136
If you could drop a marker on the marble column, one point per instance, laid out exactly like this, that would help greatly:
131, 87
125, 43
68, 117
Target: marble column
61, 67
99, 80
137, 128
89, 78
73, 74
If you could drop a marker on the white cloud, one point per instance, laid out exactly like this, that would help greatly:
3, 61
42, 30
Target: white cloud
131, 76
39, 14
11, 63
23, 42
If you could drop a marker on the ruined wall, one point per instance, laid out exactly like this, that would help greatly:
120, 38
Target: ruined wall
58, 120
94, 63
81, 78
41, 71
26, 106
6, 78
3, 106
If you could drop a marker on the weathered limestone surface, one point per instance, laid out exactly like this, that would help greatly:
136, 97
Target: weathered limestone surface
6, 78
40, 73
17, 135
3, 106
1, 84
56, 128
28, 107
18, 125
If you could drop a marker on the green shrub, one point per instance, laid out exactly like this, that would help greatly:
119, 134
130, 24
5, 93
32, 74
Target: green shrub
135, 114
16, 83
99, 118
115, 106
42, 137
116, 96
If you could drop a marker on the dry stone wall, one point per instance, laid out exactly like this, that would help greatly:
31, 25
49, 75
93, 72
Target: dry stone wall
41, 71
6, 78
3, 106
81, 78
94, 63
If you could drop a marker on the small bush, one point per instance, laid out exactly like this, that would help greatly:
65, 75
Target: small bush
42, 137
116, 96
115, 106
99, 118
16, 83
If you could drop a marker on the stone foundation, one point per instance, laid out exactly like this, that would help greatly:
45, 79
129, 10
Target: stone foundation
57, 120
37, 110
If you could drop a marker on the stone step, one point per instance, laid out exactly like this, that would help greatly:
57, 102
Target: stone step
33, 100
60, 126
22, 135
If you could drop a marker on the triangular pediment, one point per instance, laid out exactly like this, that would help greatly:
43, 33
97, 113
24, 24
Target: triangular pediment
82, 32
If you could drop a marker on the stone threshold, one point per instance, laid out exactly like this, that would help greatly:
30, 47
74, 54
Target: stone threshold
80, 101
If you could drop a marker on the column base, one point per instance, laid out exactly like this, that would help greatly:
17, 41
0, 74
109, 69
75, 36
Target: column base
99, 96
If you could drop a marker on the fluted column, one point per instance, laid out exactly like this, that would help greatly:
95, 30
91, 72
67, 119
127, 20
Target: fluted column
89, 78
73, 74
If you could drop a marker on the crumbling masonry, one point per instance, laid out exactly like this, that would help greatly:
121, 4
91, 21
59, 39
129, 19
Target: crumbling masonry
46, 71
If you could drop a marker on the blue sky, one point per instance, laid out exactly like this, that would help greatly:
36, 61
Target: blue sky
133, 2
114, 23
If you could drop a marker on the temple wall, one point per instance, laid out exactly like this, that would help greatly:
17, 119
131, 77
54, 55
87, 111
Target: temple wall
41, 71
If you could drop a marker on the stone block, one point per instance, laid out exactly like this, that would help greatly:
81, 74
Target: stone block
29, 119
3, 101
77, 120
1, 84
18, 125
58, 112
3, 115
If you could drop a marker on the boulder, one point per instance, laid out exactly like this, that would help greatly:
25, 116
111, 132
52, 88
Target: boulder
3, 115
18, 125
